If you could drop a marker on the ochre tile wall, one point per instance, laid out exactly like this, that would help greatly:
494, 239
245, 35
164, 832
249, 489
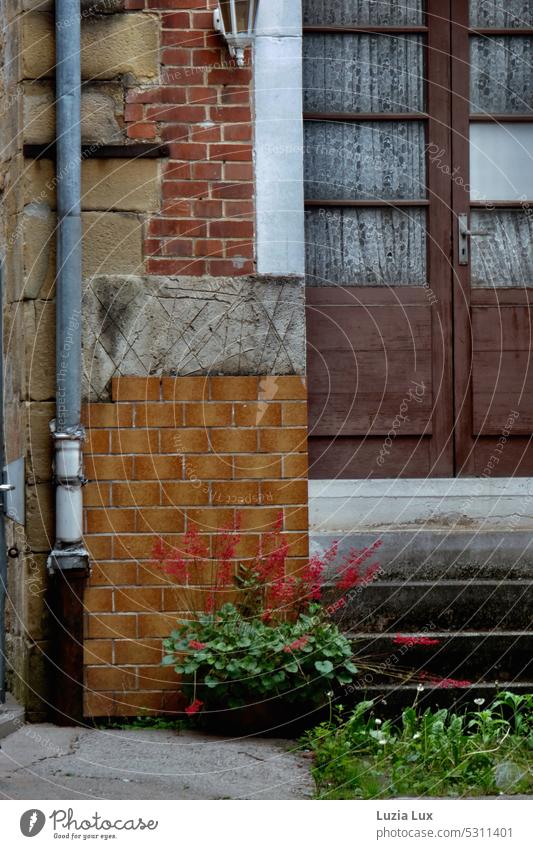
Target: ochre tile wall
166, 455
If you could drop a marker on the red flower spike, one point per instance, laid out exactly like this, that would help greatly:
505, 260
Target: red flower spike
297, 644
444, 683
159, 550
399, 640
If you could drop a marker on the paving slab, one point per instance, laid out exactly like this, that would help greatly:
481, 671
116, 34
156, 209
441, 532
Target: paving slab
11, 716
47, 762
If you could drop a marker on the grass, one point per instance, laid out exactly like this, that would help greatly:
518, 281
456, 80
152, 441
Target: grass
423, 754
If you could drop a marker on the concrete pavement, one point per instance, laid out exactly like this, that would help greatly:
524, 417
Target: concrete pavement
47, 762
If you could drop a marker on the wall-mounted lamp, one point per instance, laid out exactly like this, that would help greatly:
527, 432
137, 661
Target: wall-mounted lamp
235, 21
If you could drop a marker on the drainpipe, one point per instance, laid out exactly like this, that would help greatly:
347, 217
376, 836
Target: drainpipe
4, 487
68, 561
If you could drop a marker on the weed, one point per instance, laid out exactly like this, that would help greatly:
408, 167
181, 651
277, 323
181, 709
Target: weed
434, 753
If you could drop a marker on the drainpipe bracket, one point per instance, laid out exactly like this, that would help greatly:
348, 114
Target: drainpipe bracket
76, 433
69, 560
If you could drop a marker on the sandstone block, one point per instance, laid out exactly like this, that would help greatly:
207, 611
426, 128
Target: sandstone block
39, 250
39, 442
112, 242
40, 349
40, 517
101, 106
107, 184
111, 46
186, 326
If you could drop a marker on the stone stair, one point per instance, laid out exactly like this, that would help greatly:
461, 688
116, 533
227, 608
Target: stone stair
445, 608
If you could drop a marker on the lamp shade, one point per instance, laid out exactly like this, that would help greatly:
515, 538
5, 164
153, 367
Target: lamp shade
235, 20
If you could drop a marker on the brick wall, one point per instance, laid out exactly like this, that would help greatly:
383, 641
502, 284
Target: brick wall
166, 455
202, 109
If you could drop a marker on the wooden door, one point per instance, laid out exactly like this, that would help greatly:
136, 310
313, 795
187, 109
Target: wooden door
492, 122
419, 234
378, 238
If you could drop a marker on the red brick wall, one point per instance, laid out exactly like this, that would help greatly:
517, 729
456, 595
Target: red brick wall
165, 456
202, 110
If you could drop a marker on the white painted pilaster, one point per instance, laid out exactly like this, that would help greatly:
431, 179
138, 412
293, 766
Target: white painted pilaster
279, 138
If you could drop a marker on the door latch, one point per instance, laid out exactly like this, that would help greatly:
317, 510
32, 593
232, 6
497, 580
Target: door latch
464, 235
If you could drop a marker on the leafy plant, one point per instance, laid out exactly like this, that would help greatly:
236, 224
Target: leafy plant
263, 632
434, 753
228, 661
160, 723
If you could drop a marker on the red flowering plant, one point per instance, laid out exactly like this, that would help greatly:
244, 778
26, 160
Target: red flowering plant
263, 632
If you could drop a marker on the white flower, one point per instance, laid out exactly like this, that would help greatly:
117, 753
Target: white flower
479, 702
420, 688
377, 721
382, 742
416, 736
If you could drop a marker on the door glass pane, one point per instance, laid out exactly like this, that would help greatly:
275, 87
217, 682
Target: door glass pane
363, 73
365, 161
501, 161
373, 12
501, 13
505, 256
501, 74
358, 247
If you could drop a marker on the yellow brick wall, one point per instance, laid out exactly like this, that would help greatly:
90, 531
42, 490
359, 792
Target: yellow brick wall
167, 455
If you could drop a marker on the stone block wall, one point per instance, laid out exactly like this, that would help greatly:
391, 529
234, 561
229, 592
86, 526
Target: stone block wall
167, 455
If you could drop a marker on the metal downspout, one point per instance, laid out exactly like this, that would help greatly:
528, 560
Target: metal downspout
68, 561
3, 488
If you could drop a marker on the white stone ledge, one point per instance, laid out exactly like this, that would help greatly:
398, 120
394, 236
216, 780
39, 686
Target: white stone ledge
450, 503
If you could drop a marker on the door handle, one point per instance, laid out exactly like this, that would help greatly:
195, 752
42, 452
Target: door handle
464, 234
6, 487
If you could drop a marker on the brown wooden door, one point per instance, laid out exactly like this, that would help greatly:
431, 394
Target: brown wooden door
378, 238
492, 123
419, 339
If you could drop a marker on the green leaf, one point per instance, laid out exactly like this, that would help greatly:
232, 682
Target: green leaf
168, 660
324, 666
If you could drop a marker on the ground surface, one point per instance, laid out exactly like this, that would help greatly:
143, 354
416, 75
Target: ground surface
46, 762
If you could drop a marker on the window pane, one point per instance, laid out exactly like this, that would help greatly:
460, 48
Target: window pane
374, 12
365, 161
358, 247
501, 13
363, 73
501, 161
505, 256
501, 78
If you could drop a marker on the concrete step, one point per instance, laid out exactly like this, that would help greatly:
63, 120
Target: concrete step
489, 656
470, 589
456, 606
433, 555
11, 716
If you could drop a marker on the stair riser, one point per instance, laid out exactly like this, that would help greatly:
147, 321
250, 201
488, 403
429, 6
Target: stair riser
457, 607
474, 658
433, 556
